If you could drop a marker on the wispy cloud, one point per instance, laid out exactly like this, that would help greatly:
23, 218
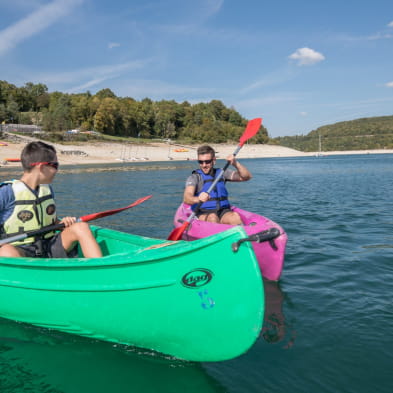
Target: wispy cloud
22, 4
37, 21
81, 79
370, 37
113, 45
379, 36
156, 89
276, 77
389, 84
194, 19
306, 56
263, 104
212, 7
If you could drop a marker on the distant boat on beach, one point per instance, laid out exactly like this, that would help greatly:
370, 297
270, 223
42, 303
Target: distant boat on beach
12, 159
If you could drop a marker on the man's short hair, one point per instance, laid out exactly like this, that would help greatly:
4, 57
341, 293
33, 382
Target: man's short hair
37, 152
206, 149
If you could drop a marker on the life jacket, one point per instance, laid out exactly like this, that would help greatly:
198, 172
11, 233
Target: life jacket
218, 196
31, 212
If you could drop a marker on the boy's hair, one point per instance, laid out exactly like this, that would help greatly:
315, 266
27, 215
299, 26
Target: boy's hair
37, 152
206, 149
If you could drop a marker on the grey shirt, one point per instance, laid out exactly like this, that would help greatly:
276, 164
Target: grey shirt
196, 180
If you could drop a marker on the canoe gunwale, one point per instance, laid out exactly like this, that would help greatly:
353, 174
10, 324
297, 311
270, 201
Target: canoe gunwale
152, 253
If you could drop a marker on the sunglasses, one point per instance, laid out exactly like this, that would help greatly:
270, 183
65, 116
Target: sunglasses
53, 164
205, 161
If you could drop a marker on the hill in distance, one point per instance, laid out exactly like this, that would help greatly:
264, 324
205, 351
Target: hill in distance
361, 134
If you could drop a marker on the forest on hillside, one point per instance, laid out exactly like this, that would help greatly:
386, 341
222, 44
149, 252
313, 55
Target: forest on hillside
212, 122
360, 134
109, 115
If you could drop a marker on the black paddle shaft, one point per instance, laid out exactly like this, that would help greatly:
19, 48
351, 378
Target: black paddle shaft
265, 236
27, 234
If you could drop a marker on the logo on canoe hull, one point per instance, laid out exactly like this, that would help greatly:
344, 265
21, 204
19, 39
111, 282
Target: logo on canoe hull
197, 278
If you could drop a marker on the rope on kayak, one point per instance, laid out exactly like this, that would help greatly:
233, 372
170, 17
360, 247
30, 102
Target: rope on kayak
265, 236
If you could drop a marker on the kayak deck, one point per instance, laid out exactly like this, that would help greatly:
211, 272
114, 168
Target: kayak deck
270, 255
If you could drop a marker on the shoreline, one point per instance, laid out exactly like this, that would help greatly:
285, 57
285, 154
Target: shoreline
110, 153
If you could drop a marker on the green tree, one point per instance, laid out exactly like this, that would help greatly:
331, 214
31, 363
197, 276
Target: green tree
12, 111
58, 115
105, 93
107, 117
34, 91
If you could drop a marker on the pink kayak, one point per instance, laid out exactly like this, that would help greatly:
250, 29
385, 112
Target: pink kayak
270, 254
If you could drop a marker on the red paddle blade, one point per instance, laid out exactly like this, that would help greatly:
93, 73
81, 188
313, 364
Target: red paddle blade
177, 233
252, 128
94, 216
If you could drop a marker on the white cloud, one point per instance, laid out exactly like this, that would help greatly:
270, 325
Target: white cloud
306, 56
304, 114
389, 84
37, 21
390, 24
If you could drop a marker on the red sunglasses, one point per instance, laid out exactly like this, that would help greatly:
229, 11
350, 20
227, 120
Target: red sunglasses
53, 164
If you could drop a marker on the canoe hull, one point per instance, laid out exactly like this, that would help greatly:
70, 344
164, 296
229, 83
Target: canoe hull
271, 260
177, 298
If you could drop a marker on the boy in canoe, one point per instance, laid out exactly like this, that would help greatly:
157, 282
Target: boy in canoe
28, 205
215, 206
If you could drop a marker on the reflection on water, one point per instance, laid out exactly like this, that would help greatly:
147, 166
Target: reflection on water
275, 328
43, 361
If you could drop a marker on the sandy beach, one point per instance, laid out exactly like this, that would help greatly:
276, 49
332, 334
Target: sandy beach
103, 152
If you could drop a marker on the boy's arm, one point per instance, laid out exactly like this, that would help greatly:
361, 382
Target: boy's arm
7, 202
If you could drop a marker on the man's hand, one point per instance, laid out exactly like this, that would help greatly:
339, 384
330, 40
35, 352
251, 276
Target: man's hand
232, 160
203, 197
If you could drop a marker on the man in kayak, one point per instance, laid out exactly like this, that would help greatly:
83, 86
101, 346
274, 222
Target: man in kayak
215, 207
28, 205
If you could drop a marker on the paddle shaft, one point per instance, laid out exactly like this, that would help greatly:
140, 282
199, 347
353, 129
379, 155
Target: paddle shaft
56, 227
15, 238
210, 189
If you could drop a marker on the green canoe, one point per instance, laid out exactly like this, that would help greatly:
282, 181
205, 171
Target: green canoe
198, 301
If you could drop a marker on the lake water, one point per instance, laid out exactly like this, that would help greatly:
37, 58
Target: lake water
328, 323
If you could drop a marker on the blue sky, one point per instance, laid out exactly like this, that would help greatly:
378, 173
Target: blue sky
298, 64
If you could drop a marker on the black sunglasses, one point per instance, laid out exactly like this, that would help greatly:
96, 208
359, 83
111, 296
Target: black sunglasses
53, 164
205, 161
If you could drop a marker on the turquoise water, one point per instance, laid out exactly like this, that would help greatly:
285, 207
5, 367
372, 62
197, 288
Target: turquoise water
328, 322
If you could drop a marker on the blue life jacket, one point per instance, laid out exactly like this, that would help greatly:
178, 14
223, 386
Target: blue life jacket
218, 196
